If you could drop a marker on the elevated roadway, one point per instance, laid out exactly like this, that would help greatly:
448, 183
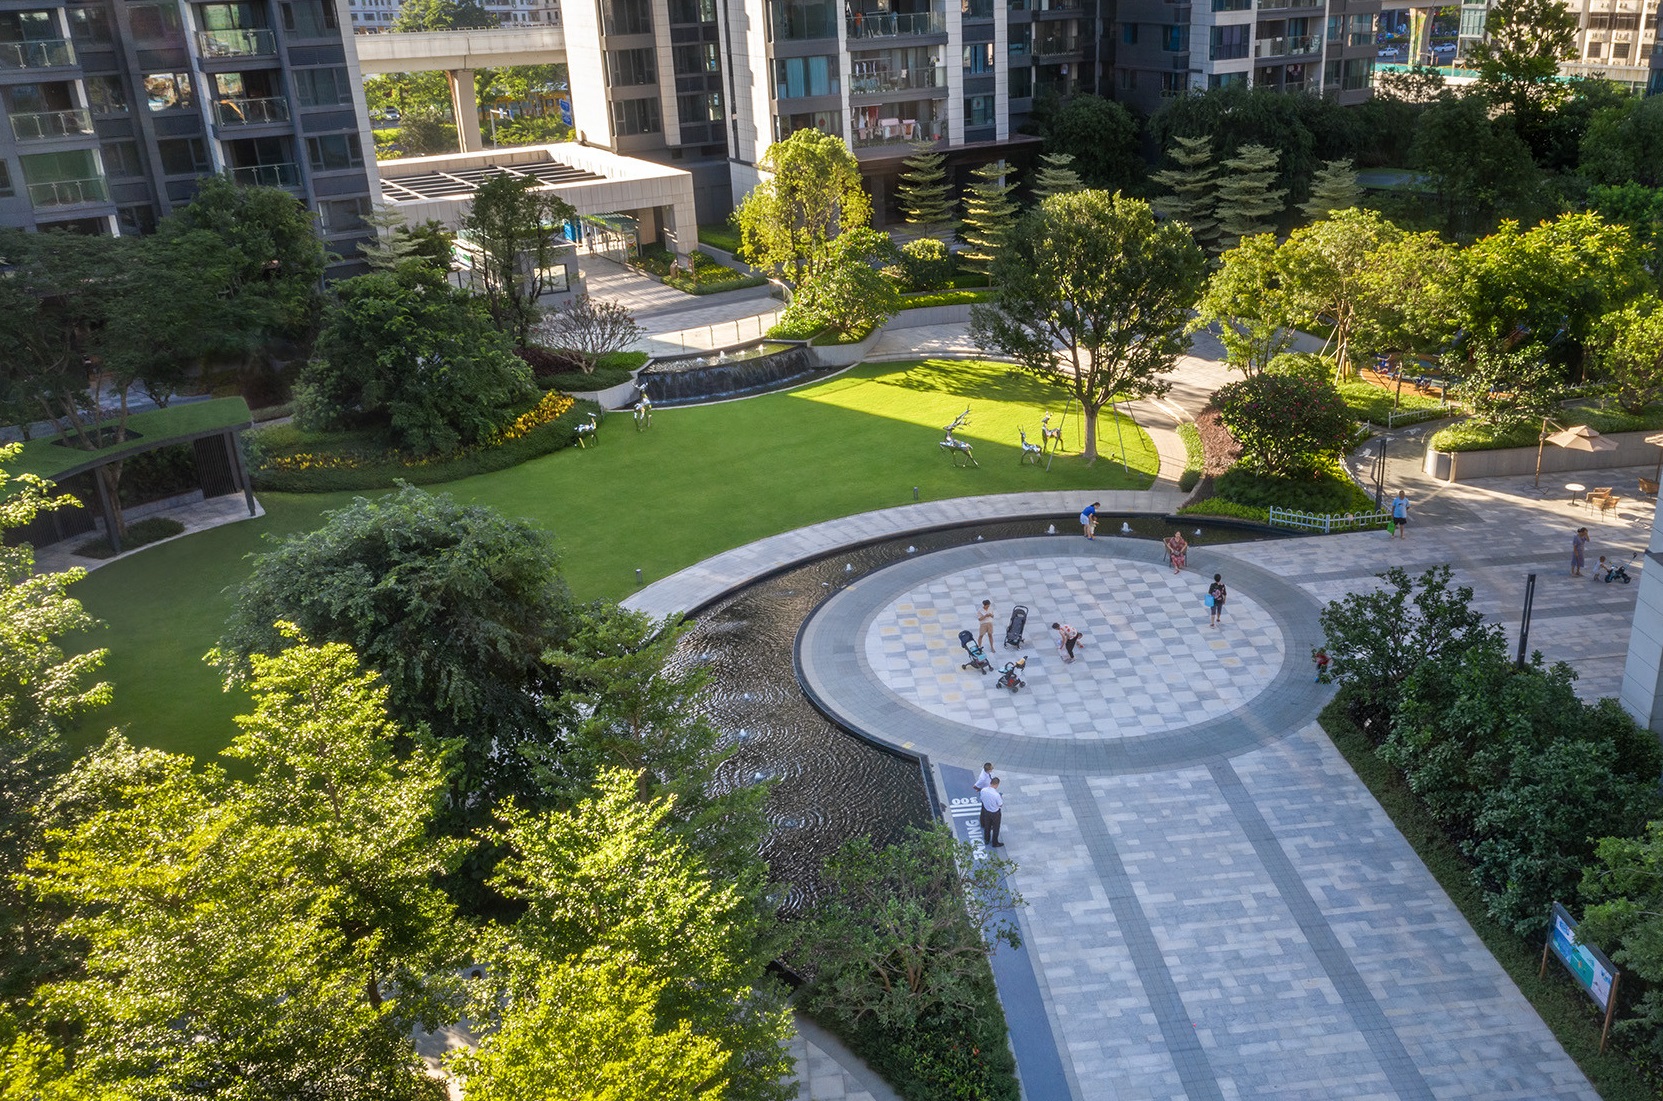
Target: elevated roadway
453, 51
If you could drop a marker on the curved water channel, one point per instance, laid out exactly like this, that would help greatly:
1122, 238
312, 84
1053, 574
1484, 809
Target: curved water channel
827, 784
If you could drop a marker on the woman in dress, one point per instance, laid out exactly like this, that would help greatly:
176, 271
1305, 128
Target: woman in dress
1176, 549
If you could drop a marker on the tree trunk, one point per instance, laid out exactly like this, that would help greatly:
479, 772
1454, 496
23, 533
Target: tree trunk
110, 475
1090, 412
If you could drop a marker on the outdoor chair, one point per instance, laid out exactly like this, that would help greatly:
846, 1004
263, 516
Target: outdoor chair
1608, 502
1648, 488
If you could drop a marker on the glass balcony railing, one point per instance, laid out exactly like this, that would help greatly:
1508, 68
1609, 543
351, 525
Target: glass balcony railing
44, 125
267, 175
243, 111
1288, 46
69, 192
892, 24
904, 80
248, 42
42, 54
1055, 45
897, 132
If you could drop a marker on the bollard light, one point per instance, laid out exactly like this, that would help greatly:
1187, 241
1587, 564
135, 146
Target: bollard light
638, 575
915, 493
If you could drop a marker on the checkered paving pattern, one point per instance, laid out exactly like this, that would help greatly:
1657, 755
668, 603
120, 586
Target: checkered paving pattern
1150, 663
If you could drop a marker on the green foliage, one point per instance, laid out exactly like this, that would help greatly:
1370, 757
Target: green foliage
1379, 639
1629, 353
443, 15
1327, 267
946, 298
989, 214
1303, 129
1246, 300
848, 293
1623, 145
1194, 459
1478, 167
396, 241
811, 192
1640, 209
1310, 366
1245, 203
1102, 138
1334, 187
1512, 390
1095, 274
923, 194
1288, 426
1518, 57
519, 230
1218, 506
1190, 188
454, 605
612, 881
1625, 917
1477, 435
1325, 492
1405, 300
724, 236
1374, 404
421, 132
795, 327
142, 533
313, 938
926, 264
414, 359
1056, 176
589, 328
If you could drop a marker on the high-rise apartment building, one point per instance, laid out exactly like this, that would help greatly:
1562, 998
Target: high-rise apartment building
113, 111
375, 16
1615, 40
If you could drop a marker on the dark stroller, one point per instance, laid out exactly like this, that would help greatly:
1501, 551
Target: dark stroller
1018, 624
1011, 675
978, 660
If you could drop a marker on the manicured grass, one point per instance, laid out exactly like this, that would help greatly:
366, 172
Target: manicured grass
1368, 402
965, 297
703, 479
1474, 435
724, 236
1563, 1008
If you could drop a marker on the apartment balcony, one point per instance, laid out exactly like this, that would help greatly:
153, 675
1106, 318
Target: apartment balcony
61, 193
251, 110
905, 80
248, 42
46, 53
50, 125
267, 175
1056, 45
897, 132
1288, 46
896, 24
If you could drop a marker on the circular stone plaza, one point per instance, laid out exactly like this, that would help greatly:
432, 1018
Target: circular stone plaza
1217, 906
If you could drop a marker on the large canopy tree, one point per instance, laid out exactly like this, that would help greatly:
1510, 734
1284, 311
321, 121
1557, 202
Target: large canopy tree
518, 227
1518, 57
1091, 291
1326, 264
810, 192
1248, 301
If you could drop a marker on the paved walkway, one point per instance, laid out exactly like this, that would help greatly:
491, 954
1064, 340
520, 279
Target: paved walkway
212, 513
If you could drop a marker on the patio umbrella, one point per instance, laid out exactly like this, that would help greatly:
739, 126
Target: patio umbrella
1657, 441
1578, 437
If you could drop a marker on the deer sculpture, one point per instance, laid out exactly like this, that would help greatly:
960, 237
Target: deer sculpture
1049, 435
643, 412
588, 431
1030, 451
957, 448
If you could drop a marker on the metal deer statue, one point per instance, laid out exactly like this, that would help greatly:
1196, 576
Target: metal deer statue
956, 448
643, 412
1049, 435
1030, 451
588, 431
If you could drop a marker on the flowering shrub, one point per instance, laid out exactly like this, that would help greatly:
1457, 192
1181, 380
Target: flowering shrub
1287, 426
553, 405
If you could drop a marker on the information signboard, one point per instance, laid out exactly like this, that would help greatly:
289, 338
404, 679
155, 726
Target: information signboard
1587, 964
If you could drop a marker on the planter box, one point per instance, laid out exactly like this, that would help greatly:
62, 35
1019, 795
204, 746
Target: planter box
1463, 466
931, 315
613, 397
844, 355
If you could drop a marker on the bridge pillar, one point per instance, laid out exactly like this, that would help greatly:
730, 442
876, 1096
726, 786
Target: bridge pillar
465, 106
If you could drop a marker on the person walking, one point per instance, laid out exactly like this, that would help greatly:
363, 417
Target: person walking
1579, 542
986, 777
1400, 514
1088, 520
993, 810
1219, 594
984, 626
1067, 639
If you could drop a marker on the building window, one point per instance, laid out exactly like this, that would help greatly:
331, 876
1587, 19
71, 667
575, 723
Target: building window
1619, 50
155, 23
1229, 43
636, 116
1232, 5
628, 17
631, 67
1022, 82
6, 189
90, 24
310, 18
1227, 80
823, 121
122, 160
1021, 39
978, 58
976, 9
692, 11
796, 77
978, 111
183, 157
704, 107
333, 152
700, 58
1127, 79
1129, 33
339, 216
1362, 30
1336, 28
166, 91
106, 95
1175, 40
796, 20
1472, 21
322, 87
136, 221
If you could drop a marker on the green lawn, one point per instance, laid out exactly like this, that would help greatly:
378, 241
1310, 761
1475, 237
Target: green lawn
702, 480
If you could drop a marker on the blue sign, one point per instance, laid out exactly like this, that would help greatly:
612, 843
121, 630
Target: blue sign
565, 110
1592, 970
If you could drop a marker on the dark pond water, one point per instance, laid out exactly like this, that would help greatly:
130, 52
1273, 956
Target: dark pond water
827, 784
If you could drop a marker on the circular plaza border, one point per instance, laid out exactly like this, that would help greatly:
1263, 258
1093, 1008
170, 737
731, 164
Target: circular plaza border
836, 673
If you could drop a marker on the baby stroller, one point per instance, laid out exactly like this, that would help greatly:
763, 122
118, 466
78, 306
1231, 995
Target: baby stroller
1018, 623
1619, 572
978, 660
1011, 675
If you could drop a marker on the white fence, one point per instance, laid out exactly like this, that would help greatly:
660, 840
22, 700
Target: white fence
1326, 523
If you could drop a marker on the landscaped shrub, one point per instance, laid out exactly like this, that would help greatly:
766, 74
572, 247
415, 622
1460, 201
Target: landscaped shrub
1324, 492
945, 298
1214, 506
925, 264
701, 275
153, 475
1194, 457
550, 361
1374, 404
1476, 435
1306, 365
560, 370
1286, 425
790, 327
139, 533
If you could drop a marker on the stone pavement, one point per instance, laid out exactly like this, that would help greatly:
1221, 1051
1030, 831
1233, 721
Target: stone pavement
211, 513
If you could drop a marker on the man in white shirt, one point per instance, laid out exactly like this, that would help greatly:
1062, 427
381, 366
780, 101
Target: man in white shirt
985, 779
993, 808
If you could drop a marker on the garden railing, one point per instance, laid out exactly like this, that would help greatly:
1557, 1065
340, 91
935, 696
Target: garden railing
1327, 523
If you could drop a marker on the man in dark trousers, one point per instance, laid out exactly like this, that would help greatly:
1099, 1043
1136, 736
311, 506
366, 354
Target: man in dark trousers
993, 808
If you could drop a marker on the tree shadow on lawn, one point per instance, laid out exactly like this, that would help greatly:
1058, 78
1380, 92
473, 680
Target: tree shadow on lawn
988, 380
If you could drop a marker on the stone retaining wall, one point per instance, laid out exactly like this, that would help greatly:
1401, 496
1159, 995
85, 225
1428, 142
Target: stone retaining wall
1463, 466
